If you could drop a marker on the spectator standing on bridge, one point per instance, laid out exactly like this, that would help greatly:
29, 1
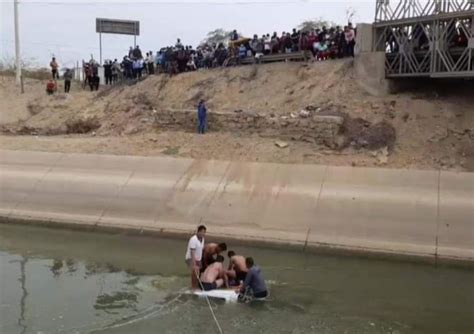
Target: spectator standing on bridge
259, 48
54, 68
145, 62
127, 67
275, 43
323, 34
288, 43
94, 80
303, 42
137, 53
151, 63
340, 41
242, 52
136, 68
141, 66
191, 65
349, 35
108, 72
282, 42
158, 59
202, 117
67, 80
295, 37
312, 38
234, 36
115, 71
267, 46
254, 44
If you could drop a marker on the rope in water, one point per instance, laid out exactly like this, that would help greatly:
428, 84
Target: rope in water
210, 306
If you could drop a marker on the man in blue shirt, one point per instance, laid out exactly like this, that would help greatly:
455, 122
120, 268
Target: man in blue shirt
254, 283
202, 117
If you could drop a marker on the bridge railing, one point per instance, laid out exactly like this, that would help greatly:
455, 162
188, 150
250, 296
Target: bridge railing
426, 38
386, 10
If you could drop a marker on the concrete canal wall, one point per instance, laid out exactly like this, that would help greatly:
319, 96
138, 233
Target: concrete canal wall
389, 211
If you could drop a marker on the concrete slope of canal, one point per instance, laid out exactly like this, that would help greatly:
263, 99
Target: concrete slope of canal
408, 212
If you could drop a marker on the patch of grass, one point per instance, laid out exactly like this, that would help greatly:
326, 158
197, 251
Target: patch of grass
171, 150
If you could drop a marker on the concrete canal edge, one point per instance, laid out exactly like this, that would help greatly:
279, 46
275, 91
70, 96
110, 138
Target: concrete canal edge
425, 215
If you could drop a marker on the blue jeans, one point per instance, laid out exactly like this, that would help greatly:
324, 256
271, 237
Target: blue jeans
202, 124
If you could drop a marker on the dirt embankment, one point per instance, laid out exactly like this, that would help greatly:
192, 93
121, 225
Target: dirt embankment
420, 129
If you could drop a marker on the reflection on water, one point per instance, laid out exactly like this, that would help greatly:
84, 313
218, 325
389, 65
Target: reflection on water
24, 293
72, 282
118, 299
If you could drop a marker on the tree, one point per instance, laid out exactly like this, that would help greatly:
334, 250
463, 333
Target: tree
350, 13
313, 24
217, 36
8, 63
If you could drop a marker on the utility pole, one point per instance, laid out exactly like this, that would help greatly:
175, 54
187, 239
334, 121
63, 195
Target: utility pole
17, 44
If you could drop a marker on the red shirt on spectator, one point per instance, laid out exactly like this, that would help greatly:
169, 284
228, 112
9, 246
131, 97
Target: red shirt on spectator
312, 38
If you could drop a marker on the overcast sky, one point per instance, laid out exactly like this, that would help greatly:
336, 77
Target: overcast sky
66, 28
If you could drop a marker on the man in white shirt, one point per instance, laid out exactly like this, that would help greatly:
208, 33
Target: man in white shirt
194, 254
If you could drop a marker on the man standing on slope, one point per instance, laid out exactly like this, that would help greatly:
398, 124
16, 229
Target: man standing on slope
194, 254
202, 117
54, 68
67, 80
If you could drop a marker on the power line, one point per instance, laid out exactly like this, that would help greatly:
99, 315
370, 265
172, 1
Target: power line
60, 45
88, 3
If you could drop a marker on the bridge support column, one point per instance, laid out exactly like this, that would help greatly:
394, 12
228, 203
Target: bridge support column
369, 65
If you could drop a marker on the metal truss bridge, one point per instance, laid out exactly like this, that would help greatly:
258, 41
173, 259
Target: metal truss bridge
426, 38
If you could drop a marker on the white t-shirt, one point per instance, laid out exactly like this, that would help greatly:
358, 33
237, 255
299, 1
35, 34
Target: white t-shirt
197, 246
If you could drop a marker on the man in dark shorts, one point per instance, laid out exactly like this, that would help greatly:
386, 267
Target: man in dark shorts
214, 276
237, 269
54, 68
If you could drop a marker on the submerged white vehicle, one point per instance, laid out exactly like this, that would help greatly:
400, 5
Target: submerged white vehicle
229, 295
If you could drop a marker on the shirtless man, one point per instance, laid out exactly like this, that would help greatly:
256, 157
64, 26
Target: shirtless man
209, 251
237, 269
214, 276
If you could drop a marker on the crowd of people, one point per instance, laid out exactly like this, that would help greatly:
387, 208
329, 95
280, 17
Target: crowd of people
319, 44
208, 272
419, 40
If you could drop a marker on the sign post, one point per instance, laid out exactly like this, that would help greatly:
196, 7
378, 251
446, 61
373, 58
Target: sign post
100, 48
121, 27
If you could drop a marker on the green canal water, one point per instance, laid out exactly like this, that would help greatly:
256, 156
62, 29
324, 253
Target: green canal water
58, 281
